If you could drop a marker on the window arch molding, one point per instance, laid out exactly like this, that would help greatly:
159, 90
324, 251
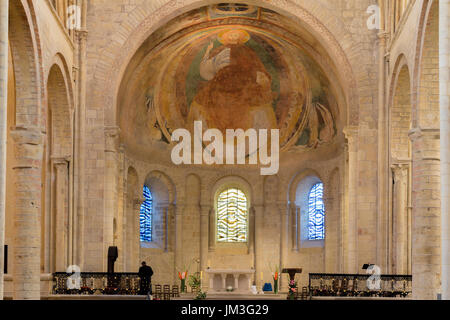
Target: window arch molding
221, 186
298, 197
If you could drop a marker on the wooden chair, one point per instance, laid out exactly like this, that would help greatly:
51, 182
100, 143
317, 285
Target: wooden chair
158, 291
175, 291
166, 292
304, 295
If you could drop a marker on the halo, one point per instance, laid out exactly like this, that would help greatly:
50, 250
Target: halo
244, 35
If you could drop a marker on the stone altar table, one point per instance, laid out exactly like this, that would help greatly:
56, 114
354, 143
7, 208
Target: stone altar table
220, 280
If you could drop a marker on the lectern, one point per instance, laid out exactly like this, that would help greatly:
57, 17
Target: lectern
113, 253
292, 272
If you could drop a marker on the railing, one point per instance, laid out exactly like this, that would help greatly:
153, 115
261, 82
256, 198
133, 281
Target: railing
96, 283
356, 285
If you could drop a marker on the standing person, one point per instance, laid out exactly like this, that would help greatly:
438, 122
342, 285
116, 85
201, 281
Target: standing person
145, 273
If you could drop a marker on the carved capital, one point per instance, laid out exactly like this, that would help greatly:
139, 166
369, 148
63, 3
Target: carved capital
400, 171
81, 34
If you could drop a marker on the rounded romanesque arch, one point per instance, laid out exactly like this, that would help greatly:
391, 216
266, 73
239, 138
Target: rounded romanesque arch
320, 24
294, 183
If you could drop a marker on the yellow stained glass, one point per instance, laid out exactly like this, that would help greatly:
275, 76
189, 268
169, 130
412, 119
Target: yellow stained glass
232, 216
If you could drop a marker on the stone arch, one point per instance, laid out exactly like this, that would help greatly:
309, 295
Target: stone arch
231, 181
57, 159
128, 44
24, 42
293, 185
168, 183
426, 69
400, 111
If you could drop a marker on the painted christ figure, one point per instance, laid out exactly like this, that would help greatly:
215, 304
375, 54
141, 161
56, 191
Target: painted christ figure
237, 94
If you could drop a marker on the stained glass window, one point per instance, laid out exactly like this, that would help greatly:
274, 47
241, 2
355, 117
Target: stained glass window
232, 216
316, 213
146, 216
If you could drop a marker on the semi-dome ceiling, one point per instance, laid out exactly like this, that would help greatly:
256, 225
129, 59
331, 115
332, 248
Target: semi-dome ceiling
233, 67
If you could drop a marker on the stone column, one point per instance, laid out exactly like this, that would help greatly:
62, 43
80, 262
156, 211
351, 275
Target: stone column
383, 154
205, 211
179, 263
252, 235
426, 213
61, 229
295, 217
80, 138
110, 187
212, 230
444, 91
400, 217
259, 236
284, 234
27, 213
3, 124
351, 223
135, 236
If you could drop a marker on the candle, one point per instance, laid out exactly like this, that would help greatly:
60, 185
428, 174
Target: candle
262, 276
201, 275
209, 263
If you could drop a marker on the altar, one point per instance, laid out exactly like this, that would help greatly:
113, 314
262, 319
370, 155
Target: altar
221, 280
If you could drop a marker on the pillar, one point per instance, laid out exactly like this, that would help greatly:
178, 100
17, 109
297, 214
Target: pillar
426, 217
284, 208
204, 243
80, 137
444, 91
383, 154
61, 222
110, 186
179, 263
259, 235
27, 213
400, 217
295, 227
351, 217
3, 124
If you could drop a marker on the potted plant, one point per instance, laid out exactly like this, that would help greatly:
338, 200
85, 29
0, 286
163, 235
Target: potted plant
195, 282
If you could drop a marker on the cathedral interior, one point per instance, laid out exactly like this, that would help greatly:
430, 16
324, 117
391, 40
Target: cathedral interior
94, 95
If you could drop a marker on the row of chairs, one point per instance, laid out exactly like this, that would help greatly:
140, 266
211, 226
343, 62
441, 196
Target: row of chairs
165, 292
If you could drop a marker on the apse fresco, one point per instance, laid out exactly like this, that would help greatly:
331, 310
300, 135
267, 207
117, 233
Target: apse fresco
227, 68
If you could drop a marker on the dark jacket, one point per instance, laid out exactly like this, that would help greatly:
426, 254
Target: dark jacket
145, 272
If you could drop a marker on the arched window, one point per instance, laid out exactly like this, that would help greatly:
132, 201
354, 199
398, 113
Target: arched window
146, 216
232, 216
316, 213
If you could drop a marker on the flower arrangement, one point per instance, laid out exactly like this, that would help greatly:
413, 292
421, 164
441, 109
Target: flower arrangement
182, 276
275, 276
292, 289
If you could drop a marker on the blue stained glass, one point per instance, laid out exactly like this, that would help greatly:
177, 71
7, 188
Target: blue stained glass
316, 213
146, 216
